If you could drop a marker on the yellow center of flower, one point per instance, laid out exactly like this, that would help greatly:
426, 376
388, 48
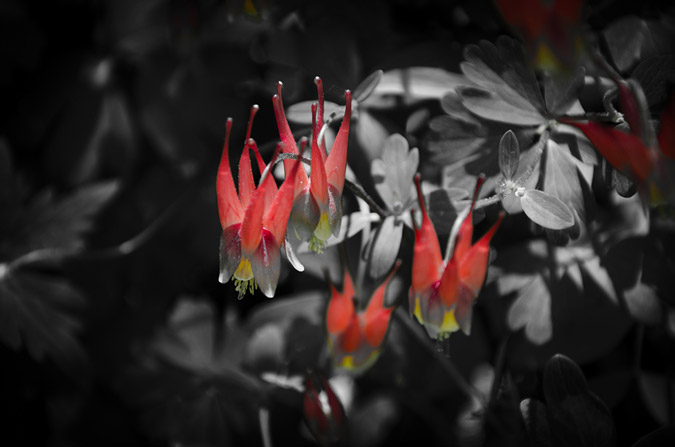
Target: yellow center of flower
448, 326
546, 59
321, 234
243, 278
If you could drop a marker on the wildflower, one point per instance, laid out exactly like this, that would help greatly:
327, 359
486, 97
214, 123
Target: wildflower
356, 337
442, 295
650, 165
253, 220
317, 208
322, 410
550, 30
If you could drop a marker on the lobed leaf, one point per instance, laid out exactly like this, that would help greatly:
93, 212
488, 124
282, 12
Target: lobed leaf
504, 106
36, 313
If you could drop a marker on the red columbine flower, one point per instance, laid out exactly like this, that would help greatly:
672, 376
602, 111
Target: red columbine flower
550, 29
629, 154
322, 410
253, 221
317, 209
442, 295
356, 337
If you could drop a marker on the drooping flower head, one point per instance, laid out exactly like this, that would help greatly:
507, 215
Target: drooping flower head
253, 219
317, 209
649, 161
356, 337
442, 294
549, 29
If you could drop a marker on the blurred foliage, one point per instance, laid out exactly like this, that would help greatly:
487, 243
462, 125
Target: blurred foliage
114, 329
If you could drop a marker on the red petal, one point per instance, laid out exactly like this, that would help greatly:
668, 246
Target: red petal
667, 131
473, 266
261, 164
376, 326
336, 163
276, 217
376, 316
351, 338
252, 226
448, 288
287, 138
230, 210
625, 152
341, 307
427, 259
526, 16
246, 183
318, 182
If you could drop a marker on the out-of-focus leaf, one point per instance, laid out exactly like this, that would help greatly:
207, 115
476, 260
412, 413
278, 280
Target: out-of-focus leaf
393, 174
654, 75
191, 340
643, 304
561, 91
415, 84
50, 222
301, 112
492, 67
658, 438
36, 313
509, 155
368, 85
577, 304
546, 210
351, 225
657, 393
532, 310
383, 247
502, 106
626, 39
576, 415
371, 134
372, 421
593, 270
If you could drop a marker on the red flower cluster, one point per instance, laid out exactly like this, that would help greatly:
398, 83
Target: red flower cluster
317, 209
356, 337
254, 220
442, 295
